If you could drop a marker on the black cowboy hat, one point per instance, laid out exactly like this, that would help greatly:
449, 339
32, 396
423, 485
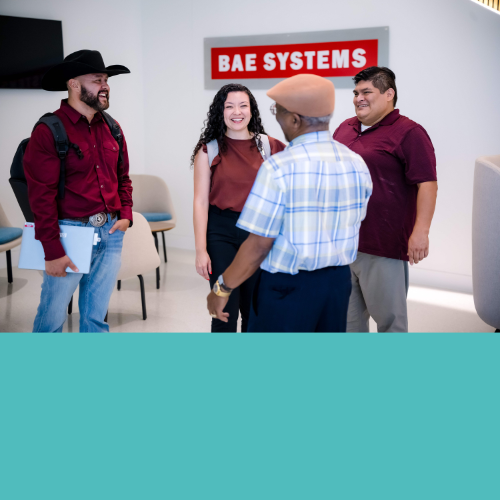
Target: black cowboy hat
79, 63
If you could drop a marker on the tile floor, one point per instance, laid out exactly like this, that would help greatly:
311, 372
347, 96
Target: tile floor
179, 305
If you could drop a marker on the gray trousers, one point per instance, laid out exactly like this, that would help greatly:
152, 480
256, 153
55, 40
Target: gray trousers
379, 289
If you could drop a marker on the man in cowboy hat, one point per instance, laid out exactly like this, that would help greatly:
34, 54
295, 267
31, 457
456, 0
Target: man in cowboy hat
303, 215
98, 192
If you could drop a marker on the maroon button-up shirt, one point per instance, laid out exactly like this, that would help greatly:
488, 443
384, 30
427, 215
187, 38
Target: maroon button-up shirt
93, 184
399, 155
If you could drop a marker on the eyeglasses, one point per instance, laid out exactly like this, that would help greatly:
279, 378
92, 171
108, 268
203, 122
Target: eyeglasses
273, 109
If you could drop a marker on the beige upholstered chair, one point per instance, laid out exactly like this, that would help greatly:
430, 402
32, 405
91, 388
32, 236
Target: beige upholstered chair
10, 237
486, 239
139, 255
152, 199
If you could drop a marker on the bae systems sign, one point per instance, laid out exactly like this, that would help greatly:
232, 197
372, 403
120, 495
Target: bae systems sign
261, 61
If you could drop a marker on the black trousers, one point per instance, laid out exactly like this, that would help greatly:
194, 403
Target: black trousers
223, 242
310, 301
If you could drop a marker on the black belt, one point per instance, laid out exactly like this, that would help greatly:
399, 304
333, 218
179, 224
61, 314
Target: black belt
97, 220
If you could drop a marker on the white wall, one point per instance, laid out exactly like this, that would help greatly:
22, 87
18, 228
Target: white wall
114, 28
445, 56
444, 53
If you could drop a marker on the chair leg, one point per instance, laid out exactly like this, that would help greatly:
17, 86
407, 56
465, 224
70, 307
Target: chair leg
119, 285
164, 247
158, 268
9, 267
70, 306
143, 297
156, 241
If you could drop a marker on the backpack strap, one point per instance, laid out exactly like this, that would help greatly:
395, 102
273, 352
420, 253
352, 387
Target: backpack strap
62, 145
212, 151
115, 132
266, 146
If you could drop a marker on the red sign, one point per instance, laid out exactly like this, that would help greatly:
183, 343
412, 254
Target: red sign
328, 59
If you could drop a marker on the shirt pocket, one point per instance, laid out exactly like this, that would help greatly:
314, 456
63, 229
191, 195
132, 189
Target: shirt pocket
111, 152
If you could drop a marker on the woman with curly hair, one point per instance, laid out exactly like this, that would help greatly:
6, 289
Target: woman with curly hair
234, 128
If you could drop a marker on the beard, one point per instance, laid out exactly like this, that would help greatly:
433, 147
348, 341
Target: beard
93, 101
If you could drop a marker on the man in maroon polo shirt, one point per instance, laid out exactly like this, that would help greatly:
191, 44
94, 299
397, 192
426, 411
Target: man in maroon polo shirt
98, 193
402, 164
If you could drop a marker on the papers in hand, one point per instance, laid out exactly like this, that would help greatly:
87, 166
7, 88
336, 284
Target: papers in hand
77, 242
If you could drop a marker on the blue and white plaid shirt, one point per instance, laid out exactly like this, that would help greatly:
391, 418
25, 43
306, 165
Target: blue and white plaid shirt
312, 198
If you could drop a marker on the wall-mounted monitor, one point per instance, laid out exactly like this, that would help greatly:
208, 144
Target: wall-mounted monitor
28, 48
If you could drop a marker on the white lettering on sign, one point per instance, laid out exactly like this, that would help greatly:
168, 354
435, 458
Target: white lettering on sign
327, 54
340, 59
283, 58
323, 59
224, 63
297, 61
237, 63
270, 62
359, 58
309, 56
314, 60
250, 62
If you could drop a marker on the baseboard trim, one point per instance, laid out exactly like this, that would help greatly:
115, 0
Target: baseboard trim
438, 279
420, 277
179, 241
461, 283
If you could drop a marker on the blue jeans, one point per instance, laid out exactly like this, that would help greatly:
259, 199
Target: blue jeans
95, 287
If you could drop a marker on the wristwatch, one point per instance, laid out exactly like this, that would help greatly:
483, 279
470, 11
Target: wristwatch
220, 289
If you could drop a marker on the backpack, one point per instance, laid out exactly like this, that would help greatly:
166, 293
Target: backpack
18, 178
213, 149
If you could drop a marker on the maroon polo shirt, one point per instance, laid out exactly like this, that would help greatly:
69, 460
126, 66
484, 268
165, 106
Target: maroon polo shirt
93, 184
399, 155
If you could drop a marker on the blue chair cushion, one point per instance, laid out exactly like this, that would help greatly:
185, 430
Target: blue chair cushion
156, 216
8, 234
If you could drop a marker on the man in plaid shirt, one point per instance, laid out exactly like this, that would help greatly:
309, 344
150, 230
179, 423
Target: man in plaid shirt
303, 214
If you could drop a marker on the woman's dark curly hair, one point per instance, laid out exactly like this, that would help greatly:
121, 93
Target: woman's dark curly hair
214, 126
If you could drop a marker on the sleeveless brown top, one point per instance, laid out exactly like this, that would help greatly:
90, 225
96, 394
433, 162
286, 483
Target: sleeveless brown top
234, 172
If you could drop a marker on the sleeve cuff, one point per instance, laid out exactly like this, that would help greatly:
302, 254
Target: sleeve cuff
422, 180
53, 249
126, 213
257, 231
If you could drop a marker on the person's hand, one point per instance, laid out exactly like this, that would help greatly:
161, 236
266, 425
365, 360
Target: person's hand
203, 264
121, 224
215, 306
57, 267
418, 246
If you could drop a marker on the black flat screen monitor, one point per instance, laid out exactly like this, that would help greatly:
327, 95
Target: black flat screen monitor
28, 48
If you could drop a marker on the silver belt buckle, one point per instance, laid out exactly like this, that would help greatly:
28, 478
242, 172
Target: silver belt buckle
98, 220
